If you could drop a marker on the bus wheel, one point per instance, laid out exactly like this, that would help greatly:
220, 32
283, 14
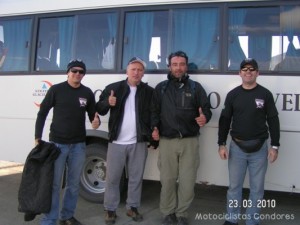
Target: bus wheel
92, 181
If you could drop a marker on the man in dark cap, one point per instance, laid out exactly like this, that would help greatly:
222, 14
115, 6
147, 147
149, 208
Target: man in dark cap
129, 132
248, 109
70, 101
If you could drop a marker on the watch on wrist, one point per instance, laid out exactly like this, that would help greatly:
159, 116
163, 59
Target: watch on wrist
275, 147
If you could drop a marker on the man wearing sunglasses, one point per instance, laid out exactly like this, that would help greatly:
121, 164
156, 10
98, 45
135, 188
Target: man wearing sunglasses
70, 101
250, 112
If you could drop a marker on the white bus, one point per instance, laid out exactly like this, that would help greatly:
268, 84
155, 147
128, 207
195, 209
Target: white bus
38, 39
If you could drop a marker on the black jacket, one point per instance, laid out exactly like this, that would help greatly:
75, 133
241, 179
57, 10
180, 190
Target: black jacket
143, 98
175, 106
35, 191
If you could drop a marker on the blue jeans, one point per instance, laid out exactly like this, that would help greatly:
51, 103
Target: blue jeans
238, 163
72, 157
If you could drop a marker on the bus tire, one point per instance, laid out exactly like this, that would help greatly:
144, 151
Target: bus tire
92, 180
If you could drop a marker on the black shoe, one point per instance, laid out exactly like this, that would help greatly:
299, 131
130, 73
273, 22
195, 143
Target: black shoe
229, 223
134, 214
170, 219
110, 217
182, 221
70, 221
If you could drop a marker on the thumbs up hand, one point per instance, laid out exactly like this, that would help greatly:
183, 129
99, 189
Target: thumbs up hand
112, 100
96, 121
201, 119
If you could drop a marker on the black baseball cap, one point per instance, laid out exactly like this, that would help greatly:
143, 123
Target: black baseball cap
249, 61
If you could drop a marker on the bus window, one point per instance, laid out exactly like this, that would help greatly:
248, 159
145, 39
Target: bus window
85, 37
267, 34
288, 58
3, 50
145, 34
14, 45
96, 40
250, 35
48, 45
201, 41
148, 35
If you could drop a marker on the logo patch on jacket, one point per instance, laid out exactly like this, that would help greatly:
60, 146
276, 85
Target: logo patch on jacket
82, 102
259, 103
187, 94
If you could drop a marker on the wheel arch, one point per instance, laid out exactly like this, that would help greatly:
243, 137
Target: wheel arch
96, 136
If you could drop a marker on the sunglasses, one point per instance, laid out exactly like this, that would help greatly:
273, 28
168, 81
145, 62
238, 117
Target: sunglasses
245, 69
180, 54
77, 71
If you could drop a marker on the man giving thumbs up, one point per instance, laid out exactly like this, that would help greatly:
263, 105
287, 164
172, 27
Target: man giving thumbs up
129, 132
180, 107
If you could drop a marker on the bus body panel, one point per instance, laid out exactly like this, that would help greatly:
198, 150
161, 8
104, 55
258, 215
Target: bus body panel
18, 116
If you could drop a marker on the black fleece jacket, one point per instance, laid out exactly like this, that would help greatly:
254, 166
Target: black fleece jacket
175, 107
142, 100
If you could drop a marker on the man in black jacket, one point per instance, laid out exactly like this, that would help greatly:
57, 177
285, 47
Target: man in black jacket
180, 108
129, 132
